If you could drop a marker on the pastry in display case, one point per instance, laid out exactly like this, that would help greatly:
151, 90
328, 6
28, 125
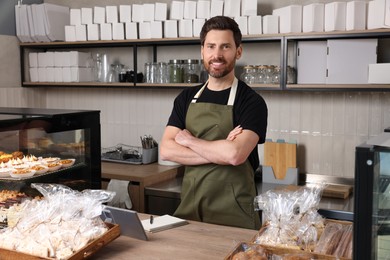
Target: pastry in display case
49, 146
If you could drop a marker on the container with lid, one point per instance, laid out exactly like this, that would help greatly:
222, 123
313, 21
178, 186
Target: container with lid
191, 71
249, 74
175, 69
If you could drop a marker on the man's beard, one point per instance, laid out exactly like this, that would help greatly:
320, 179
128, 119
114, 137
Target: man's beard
218, 74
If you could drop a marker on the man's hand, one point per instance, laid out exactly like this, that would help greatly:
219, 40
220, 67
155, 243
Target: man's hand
183, 137
233, 134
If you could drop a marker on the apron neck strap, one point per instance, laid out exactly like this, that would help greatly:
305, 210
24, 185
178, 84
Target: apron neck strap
232, 95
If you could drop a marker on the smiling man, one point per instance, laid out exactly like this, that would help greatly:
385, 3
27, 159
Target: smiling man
214, 130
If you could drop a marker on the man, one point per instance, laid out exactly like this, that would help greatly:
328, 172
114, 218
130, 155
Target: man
214, 131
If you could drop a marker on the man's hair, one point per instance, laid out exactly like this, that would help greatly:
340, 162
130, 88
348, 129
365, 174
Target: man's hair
221, 23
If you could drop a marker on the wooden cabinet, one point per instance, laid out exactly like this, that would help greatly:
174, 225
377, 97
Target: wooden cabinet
287, 46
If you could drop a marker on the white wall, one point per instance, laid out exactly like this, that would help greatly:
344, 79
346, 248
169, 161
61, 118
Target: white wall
326, 125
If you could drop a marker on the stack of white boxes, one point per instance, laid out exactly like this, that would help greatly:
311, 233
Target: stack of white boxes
70, 66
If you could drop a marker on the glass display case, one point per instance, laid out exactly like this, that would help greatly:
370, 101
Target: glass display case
49, 146
372, 199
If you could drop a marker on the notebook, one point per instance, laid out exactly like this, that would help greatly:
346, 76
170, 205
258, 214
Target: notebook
128, 221
162, 223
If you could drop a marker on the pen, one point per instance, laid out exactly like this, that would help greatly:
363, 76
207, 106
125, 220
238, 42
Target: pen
151, 219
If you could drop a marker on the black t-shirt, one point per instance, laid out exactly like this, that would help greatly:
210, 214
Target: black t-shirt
249, 110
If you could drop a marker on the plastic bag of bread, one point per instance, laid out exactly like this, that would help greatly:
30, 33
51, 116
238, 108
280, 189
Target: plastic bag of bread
58, 225
329, 239
291, 216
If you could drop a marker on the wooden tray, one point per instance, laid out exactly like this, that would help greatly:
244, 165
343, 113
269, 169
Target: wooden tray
91, 248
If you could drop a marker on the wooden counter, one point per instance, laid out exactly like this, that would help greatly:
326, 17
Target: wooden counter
193, 241
139, 176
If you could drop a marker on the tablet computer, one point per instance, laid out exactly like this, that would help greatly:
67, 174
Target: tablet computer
128, 221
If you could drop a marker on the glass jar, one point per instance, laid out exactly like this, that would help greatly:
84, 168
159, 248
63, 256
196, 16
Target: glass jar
123, 75
162, 73
260, 74
175, 71
276, 75
191, 71
249, 74
151, 72
269, 71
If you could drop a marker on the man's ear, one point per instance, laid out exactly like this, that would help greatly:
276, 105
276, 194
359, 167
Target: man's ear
239, 52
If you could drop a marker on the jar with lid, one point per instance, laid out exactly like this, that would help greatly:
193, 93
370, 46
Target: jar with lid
269, 71
162, 73
204, 75
151, 72
175, 68
191, 71
276, 75
260, 74
249, 74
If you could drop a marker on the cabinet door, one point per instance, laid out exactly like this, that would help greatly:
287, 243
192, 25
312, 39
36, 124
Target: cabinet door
348, 60
311, 62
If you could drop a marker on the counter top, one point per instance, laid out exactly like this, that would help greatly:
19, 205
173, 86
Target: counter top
329, 207
196, 240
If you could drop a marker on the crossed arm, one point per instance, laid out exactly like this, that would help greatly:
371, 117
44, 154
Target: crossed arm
182, 147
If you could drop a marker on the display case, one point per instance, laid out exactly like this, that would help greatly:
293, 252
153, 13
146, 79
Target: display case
372, 199
65, 142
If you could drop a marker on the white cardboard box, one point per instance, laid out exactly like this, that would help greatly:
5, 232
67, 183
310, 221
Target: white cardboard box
79, 59
189, 9
232, 8
242, 22
34, 75
160, 12
145, 30
42, 75
185, 28
59, 59
378, 11
311, 62
125, 13
33, 59
379, 73
50, 74
66, 74
270, 24
148, 12
99, 15
170, 29
313, 17
105, 31
118, 31
335, 16
70, 33
45, 59
80, 74
138, 13
112, 14
177, 10
81, 32
356, 15
131, 31
249, 8
216, 8
58, 74
93, 32
255, 24
86, 16
156, 29
290, 18
203, 9
197, 26
75, 16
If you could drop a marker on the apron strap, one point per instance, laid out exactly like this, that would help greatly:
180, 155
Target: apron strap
232, 94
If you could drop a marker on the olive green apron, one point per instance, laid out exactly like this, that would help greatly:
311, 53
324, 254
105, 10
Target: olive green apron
212, 193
